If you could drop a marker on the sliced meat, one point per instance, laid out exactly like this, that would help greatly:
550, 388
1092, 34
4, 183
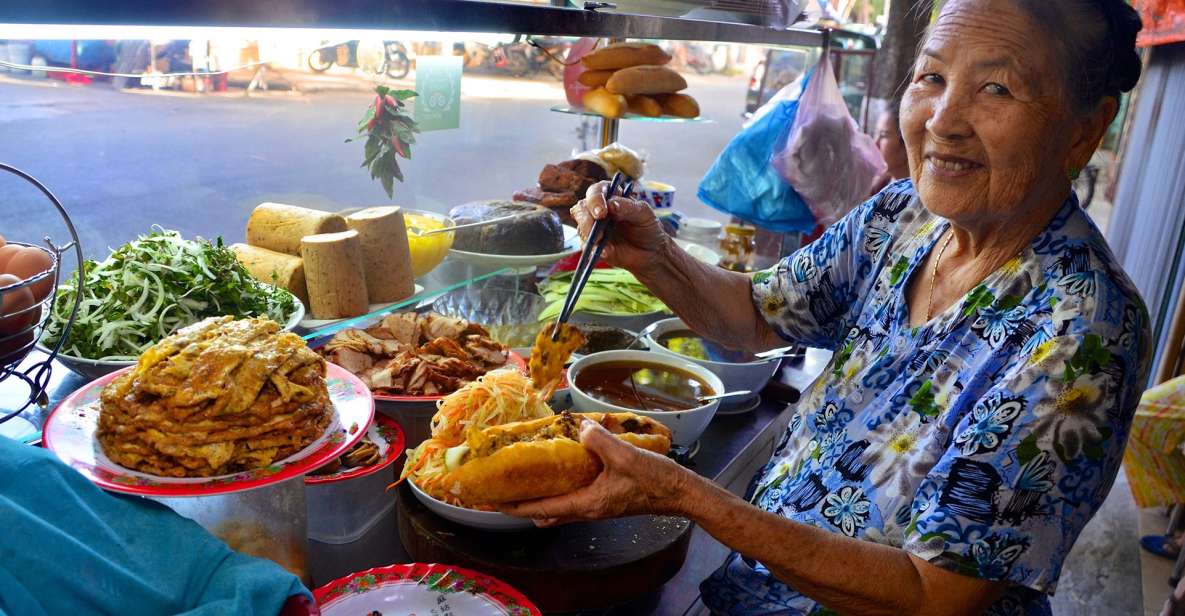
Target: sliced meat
486, 351
444, 347
554, 178
355, 362
585, 168
546, 198
403, 326
437, 326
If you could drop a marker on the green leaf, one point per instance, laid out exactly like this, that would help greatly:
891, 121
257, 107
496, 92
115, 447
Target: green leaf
898, 270
382, 90
388, 185
922, 402
402, 95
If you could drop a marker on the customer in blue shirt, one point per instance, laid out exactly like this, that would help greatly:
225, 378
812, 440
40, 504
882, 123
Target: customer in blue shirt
67, 547
988, 350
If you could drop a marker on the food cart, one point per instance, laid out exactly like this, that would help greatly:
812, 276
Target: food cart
648, 564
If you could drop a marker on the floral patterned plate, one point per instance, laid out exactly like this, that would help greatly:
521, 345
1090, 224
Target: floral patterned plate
416, 588
384, 432
70, 434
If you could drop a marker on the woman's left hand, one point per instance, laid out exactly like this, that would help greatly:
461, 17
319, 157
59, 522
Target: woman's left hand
633, 481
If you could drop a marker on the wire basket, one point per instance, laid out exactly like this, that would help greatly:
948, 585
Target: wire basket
26, 306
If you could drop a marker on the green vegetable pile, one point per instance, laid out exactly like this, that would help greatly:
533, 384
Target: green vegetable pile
153, 286
608, 291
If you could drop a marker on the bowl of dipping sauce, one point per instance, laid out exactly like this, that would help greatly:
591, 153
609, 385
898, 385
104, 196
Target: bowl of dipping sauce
737, 369
660, 386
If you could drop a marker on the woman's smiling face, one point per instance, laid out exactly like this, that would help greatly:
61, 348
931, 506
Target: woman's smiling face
986, 124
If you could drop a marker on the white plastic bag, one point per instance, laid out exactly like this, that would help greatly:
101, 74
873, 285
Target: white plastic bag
827, 159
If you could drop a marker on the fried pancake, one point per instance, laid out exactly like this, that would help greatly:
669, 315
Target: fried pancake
219, 397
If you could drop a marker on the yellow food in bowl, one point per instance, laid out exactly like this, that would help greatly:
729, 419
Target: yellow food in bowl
427, 252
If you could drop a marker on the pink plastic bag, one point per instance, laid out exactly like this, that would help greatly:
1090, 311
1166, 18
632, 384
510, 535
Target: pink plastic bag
827, 159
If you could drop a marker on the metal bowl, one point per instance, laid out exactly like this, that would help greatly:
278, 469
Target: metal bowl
21, 328
752, 376
512, 317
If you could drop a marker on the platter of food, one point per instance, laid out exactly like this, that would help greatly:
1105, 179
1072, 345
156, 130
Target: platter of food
315, 324
418, 358
150, 288
418, 588
535, 236
221, 406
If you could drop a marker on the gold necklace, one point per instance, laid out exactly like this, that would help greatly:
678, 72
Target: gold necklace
934, 276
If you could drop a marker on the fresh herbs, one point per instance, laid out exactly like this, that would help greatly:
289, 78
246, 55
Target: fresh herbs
389, 132
153, 286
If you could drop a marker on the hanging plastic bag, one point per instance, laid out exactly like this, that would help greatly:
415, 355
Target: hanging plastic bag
742, 183
826, 158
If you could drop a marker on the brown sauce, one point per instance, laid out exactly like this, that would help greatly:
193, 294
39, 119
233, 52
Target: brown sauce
642, 385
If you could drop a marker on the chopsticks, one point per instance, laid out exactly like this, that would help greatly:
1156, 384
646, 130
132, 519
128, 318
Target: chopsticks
591, 252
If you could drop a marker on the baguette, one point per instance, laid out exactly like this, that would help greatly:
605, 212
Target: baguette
678, 105
645, 80
644, 106
594, 79
602, 102
280, 227
622, 55
540, 458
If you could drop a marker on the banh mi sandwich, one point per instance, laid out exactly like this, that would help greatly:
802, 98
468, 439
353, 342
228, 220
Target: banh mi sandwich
538, 458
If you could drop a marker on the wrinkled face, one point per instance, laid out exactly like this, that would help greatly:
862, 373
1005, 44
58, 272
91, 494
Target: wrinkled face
986, 126
888, 141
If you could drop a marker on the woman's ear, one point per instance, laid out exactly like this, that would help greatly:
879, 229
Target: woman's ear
1092, 127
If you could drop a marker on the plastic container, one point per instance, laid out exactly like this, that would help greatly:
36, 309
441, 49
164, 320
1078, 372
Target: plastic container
342, 511
704, 231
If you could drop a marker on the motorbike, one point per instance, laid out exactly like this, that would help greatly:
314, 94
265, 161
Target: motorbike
395, 62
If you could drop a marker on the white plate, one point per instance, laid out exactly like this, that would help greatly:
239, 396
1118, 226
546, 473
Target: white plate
312, 323
571, 247
419, 588
699, 251
485, 520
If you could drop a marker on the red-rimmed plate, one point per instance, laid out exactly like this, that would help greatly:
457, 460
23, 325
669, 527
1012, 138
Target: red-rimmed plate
384, 432
514, 360
418, 588
70, 433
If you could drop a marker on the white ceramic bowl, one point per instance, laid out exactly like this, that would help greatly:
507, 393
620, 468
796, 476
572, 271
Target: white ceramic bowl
91, 369
485, 520
752, 376
685, 426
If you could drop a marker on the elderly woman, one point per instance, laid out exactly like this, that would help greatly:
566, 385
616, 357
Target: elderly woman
892, 148
988, 349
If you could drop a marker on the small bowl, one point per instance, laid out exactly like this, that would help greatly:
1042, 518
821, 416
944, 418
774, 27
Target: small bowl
92, 369
632, 322
685, 426
752, 376
427, 252
512, 317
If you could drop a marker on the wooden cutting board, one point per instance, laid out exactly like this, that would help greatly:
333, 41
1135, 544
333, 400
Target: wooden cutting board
580, 566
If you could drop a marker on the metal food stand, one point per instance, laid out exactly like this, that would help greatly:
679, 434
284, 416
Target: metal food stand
731, 450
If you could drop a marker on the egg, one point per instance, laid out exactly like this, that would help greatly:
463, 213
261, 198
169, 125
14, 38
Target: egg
28, 263
12, 301
7, 252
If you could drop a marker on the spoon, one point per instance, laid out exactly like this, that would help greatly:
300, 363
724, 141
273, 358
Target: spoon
739, 392
777, 353
481, 223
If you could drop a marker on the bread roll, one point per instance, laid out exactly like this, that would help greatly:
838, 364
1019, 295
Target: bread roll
335, 275
602, 102
594, 79
274, 268
644, 106
645, 80
622, 55
280, 227
679, 105
385, 254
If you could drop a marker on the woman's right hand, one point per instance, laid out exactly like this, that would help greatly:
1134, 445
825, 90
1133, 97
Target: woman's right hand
638, 238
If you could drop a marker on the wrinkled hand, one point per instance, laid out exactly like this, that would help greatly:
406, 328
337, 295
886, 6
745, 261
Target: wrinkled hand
633, 481
637, 237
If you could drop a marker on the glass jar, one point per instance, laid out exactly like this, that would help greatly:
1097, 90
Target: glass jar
738, 247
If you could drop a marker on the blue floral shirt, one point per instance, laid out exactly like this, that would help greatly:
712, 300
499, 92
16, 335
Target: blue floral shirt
981, 441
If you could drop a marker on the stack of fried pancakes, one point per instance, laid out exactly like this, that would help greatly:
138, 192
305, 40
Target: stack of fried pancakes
217, 397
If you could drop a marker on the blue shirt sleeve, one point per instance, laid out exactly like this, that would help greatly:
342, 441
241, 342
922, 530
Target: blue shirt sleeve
815, 295
70, 548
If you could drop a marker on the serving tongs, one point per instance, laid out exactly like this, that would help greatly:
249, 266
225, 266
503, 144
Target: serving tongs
597, 236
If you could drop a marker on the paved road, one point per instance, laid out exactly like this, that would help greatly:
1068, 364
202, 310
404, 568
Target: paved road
123, 162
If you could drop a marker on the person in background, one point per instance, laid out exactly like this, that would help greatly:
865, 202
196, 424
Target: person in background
68, 547
892, 147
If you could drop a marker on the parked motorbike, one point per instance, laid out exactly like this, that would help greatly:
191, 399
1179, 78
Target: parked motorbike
394, 63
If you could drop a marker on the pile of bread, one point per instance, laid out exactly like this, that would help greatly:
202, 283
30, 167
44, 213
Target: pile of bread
631, 77
337, 265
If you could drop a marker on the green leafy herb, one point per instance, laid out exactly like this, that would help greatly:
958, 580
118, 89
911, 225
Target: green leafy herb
153, 286
389, 132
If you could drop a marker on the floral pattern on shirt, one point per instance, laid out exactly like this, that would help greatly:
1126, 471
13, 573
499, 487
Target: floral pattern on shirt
982, 441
